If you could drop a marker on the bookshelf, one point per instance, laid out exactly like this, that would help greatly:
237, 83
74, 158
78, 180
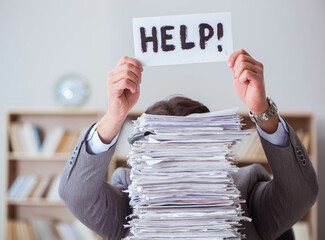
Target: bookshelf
44, 165
304, 125
44, 162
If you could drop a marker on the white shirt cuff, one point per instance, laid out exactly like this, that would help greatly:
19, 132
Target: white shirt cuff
94, 143
279, 138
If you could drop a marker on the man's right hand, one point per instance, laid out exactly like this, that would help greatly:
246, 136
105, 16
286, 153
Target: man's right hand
123, 89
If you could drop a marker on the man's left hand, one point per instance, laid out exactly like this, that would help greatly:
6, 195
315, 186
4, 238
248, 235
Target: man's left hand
249, 81
249, 85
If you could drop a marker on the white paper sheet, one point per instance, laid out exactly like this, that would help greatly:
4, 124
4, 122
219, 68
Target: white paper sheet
181, 184
183, 39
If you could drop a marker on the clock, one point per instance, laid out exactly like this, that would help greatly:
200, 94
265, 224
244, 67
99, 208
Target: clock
72, 90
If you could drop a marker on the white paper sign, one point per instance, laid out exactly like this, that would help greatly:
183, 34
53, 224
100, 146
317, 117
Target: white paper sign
183, 39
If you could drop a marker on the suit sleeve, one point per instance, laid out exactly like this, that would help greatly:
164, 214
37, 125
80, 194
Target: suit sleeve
277, 204
99, 205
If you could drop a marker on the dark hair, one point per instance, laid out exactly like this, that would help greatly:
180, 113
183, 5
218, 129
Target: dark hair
177, 106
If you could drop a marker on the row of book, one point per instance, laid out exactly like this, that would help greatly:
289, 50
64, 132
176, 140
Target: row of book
250, 149
27, 137
34, 187
40, 229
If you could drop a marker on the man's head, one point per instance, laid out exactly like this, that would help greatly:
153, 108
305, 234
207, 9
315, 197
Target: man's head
177, 106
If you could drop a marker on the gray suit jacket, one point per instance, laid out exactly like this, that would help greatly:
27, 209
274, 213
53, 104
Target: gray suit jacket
273, 204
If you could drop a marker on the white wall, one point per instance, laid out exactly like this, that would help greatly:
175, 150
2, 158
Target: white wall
42, 40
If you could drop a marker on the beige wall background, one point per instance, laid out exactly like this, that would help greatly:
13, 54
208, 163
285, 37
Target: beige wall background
43, 40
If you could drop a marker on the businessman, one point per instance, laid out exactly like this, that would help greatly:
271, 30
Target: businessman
273, 204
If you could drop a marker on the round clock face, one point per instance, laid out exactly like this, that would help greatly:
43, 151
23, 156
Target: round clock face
71, 90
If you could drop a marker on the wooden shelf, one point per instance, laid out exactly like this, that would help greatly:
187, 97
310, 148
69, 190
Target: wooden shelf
21, 163
35, 203
28, 157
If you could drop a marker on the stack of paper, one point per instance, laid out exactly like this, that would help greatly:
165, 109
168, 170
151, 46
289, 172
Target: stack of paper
181, 184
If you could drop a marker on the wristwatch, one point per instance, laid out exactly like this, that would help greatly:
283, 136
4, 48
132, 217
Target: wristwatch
267, 114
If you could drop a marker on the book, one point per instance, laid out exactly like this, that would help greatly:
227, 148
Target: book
15, 187
39, 192
253, 148
53, 193
15, 140
31, 137
9, 230
85, 232
19, 229
245, 145
37, 137
28, 185
43, 229
36, 186
67, 231
52, 140
21, 137
71, 142
62, 143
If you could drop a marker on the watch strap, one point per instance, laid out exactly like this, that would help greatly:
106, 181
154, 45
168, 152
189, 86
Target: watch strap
267, 114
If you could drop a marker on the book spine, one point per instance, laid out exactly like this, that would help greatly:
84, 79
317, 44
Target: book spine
30, 138
14, 138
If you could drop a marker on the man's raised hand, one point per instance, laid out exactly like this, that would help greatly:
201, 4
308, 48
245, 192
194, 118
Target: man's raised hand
248, 81
123, 89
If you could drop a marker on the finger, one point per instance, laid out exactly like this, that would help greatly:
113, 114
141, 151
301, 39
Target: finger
132, 70
234, 55
247, 77
126, 84
243, 78
242, 66
125, 74
246, 58
128, 70
132, 61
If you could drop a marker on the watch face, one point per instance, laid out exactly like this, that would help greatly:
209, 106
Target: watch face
71, 90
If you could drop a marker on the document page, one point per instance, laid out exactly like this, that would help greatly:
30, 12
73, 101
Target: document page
180, 172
